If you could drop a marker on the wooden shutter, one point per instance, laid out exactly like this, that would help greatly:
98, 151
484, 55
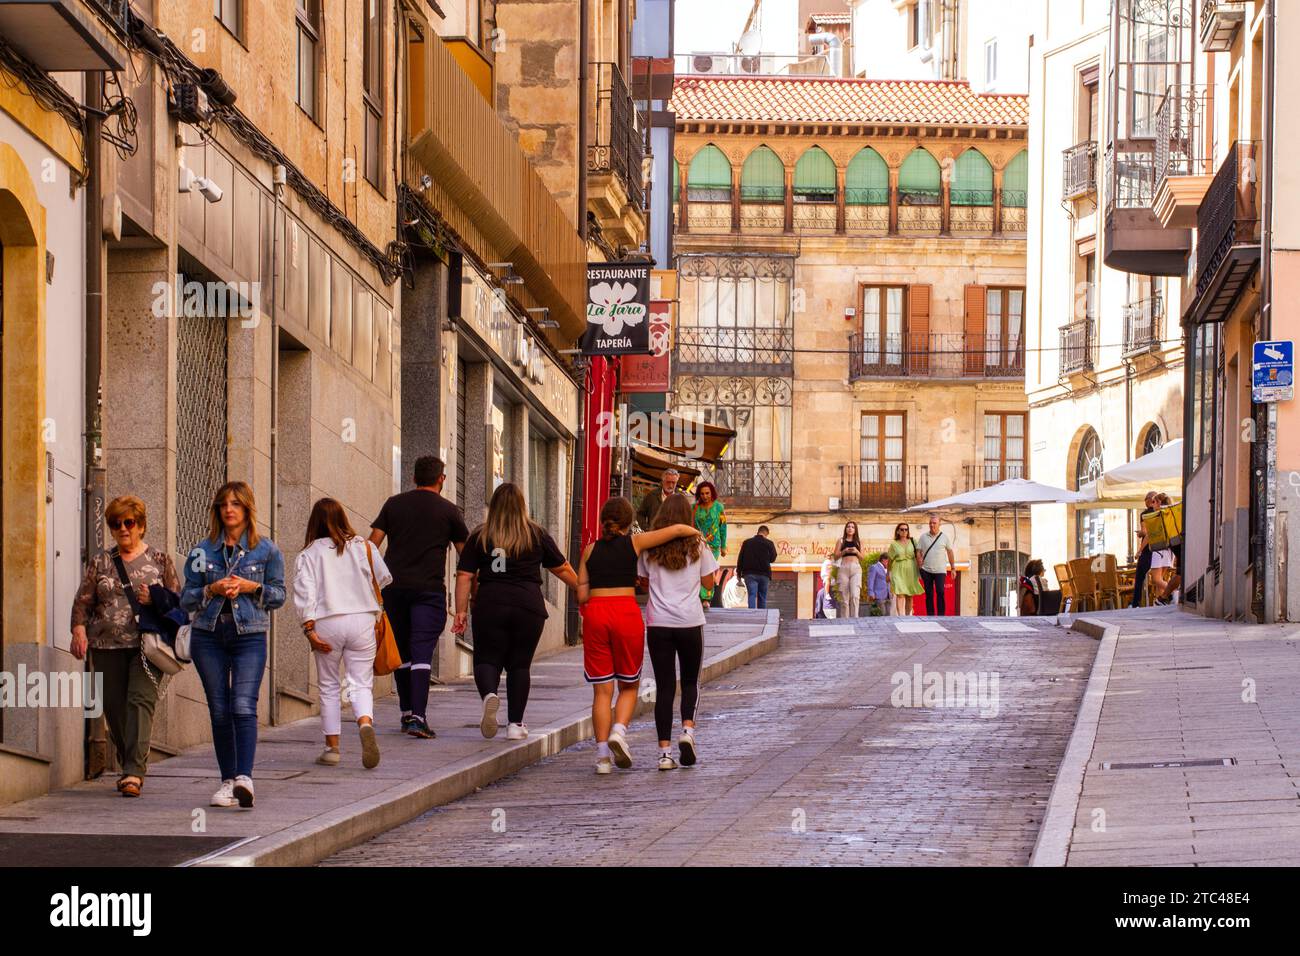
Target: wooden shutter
918, 328
974, 345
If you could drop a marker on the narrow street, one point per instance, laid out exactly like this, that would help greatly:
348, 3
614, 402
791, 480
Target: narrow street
803, 760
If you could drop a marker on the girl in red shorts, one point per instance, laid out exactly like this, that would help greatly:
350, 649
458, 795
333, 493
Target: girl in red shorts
613, 634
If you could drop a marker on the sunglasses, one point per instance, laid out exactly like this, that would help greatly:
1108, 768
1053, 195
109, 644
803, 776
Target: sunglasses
127, 523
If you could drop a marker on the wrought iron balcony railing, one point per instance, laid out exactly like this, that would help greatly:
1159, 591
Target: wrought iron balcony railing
710, 345
753, 484
1078, 346
889, 485
987, 473
1220, 20
1079, 171
939, 355
1144, 324
1130, 178
618, 145
1229, 213
1182, 133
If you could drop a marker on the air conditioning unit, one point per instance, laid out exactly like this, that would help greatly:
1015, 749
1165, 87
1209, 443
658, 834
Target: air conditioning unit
710, 63
758, 65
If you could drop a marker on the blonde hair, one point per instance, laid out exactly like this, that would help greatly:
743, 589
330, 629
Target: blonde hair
127, 506
243, 496
508, 526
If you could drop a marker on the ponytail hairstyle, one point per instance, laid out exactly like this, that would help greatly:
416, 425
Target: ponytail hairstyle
616, 516
680, 552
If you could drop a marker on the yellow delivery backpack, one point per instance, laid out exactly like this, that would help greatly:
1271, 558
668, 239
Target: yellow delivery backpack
1164, 527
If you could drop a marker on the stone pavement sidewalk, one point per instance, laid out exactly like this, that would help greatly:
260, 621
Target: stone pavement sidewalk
304, 811
1187, 750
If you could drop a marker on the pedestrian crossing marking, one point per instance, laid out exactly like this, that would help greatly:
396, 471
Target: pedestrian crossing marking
829, 630
1006, 627
919, 627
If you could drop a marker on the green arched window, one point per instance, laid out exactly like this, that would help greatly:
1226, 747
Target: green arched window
866, 181
762, 179
972, 180
919, 181
709, 177
677, 181
1015, 181
814, 177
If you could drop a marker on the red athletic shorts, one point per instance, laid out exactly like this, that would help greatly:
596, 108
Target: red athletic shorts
613, 640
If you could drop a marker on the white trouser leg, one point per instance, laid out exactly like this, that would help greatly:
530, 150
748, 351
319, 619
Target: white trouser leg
352, 652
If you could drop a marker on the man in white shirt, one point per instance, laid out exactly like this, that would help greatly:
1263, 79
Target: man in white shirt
934, 551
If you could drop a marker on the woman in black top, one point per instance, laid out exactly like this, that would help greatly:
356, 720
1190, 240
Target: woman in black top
506, 556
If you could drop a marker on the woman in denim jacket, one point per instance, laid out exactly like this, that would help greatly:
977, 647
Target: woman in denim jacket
234, 578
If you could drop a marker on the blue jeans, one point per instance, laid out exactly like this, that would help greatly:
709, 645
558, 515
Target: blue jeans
418, 618
756, 585
231, 665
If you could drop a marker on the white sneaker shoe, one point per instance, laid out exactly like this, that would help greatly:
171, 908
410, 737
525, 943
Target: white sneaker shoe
225, 795
329, 757
517, 732
243, 792
604, 765
686, 744
666, 762
622, 755
488, 725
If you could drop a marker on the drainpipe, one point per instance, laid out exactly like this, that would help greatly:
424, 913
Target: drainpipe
1266, 513
94, 318
272, 656
584, 41
834, 51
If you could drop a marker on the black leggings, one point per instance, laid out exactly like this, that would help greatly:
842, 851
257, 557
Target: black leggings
505, 638
667, 644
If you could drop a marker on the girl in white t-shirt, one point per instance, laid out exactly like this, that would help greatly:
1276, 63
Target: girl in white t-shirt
675, 625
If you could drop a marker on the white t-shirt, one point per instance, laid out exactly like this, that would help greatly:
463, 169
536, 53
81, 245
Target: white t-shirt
675, 595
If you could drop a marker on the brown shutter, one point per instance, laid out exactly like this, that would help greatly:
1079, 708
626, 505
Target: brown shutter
974, 344
918, 328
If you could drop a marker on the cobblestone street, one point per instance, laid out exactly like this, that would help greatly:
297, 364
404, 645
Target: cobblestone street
803, 760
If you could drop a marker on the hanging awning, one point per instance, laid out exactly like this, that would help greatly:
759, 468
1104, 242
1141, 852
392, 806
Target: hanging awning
1127, 485
649, 466
686, 438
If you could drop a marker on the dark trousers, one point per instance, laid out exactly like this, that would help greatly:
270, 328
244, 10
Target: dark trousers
668, 645
230, 666
418, 618
935, 600
1140, 576
129, 698
756, 587
505, 639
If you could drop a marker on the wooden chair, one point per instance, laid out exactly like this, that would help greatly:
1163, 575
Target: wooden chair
1085, 584
1108, 586
1064, 582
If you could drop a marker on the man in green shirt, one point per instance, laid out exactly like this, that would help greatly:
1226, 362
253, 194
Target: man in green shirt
645, 514
934, 551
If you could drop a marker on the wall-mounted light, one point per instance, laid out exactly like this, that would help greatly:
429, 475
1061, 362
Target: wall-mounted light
510, 277
545, 322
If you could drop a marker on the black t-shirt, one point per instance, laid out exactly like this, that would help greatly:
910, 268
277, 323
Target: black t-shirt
419, 525
756, 556
508, 580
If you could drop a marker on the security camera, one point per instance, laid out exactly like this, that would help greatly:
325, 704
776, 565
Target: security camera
185, 179
211, 191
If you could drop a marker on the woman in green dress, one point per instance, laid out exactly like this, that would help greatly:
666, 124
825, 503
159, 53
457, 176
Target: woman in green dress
900, 561
710, 521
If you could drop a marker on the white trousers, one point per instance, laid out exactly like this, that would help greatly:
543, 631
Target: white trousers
351, 638
850, 582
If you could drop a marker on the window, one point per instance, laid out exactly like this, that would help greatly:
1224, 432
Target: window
1004, 313
1090, 523
1205, 346
759, 409
1152, 440
734, 309
1089, 110
231, 15
919, 181
373, 89
814, 177
972, 181
1015, 181
538, 501
762, 178
882, 326
709, 177
677, 182
990, 63
308, 40
882, 458
913, 25
1004, 446
866, 181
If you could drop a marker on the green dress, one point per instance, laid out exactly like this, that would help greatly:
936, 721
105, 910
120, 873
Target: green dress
712, 523
903, 576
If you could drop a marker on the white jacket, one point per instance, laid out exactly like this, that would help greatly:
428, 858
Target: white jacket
326, 583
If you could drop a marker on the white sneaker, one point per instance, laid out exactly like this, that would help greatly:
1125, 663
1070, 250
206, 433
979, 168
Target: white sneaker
666, 762
604, 765
516, 731
243, 791
686, 744
488, 725
622, 755
329, 757
225, 796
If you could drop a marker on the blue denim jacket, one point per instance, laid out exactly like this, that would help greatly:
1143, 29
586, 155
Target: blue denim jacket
206, 564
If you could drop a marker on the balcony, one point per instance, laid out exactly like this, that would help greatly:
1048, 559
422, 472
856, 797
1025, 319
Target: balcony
751, 484
1184, 147
935, 356
66, 35
1227, 230
889, 486
1078, 347
615, 159
1079, 171
752, 351
1136, 241
974, 477
1144, 325
1220, 21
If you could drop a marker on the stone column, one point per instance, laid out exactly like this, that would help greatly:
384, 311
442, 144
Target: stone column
423, 312
841, 215
893, 200
789, 198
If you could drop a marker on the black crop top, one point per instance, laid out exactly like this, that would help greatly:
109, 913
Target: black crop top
612, 563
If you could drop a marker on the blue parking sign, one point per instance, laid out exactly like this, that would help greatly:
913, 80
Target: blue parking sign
1273, 372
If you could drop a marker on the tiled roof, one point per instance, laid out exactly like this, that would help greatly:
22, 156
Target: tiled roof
815, 99
832, 19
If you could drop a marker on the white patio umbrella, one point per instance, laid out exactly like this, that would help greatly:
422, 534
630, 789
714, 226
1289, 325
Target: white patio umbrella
1128, 484
1011, 493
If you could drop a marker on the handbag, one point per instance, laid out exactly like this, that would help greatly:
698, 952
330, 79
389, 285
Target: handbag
153, 648
387, 657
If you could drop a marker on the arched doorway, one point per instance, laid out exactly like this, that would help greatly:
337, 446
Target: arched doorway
1090, 523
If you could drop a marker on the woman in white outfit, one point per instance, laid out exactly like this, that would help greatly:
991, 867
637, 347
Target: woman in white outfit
1162, 561
848, 558
334, 584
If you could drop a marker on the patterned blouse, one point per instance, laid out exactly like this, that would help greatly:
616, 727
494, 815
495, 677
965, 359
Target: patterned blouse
102, 607
712, 523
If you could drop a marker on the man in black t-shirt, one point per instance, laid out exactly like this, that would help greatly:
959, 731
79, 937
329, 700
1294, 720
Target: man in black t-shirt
419, 524
754, 566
